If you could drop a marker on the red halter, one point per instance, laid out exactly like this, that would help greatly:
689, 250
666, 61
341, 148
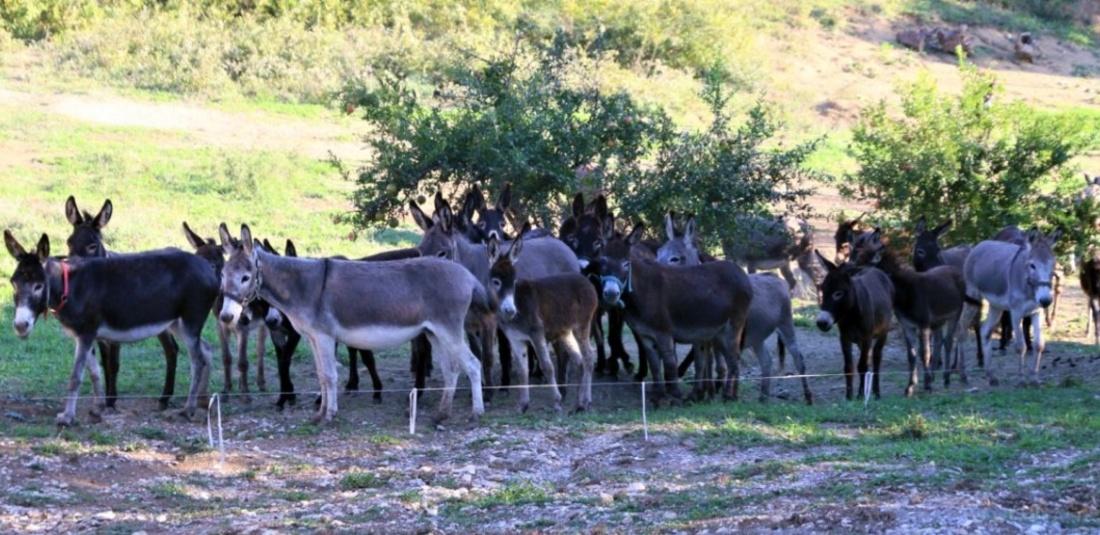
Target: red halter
64, 287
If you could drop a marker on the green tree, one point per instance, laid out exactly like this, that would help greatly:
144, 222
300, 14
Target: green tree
972, 157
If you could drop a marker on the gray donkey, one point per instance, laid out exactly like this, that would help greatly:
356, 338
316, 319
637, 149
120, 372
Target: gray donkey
368, 305
769, 312
773, 243
1015, 278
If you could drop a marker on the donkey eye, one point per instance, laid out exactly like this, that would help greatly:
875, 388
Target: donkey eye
245, 278
441, 254
837, 295
626, 265
1032, 266
920, 253
38, 287
92, 248
496, 283
597, 245
674, 260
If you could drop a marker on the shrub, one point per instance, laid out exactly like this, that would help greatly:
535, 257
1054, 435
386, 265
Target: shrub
970, 157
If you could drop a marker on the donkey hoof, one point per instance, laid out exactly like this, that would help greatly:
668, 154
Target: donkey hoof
185, 415
438, 419
994, 382
909, 391
523, 408
809, 398
65, 420
474, 418
377, 398
163, 404
95, 416
557, 409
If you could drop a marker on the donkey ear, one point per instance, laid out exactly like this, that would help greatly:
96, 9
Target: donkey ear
568, 228
636, 233
290, 249
1088, 182
513, 252
1033, 234
15, 249
422, 219
440, 202
670, 225
608, 227
246, 239
443, 217
527, 226
194, 239
43, 248
104, 215
1053, 236
72, 213
942, 228
493, 248
578, 205
922, 225
471, 203
689, 230
226, 239
267, 245
600, 206
505, 199
829, 266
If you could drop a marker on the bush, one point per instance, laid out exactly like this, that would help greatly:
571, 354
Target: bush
970, 157
533, 118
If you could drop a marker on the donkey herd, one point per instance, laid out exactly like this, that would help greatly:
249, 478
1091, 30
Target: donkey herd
471, 294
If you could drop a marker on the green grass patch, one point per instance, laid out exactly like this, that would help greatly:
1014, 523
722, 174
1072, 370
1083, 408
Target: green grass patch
521, 493
167, 490
362, 480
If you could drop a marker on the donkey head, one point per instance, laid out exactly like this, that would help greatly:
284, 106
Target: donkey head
502, 276
837, 299
439, 229
206, 248
680, 249
86, 239
870, 248
490, 221
845, 236
241, 274
1040, 264
614, 266
29, 284
926, 248
588, 229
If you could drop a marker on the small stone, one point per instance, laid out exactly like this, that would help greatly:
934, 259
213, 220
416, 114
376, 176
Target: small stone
606, 499
636, 487
161, 518
1036, 529
669, 515
105, 515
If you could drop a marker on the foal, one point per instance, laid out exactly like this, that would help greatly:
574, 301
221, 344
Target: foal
122, 299
557, 309
924, 303
86, 241
861, 302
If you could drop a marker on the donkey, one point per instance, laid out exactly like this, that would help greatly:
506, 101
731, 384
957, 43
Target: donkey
924, 303
253, 320
1013, 278
126, 298
860, 301
665, 305
1090, 283
845, 236
557, 308
542, 257
86, 241
928, 254
490, 221
368, 305
585, 231
770, 311
772, 243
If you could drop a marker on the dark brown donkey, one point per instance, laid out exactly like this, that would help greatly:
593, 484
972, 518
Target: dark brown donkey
86, 241
666, 305
557, 309
925, 303
861, 302
1090, 283
845, 236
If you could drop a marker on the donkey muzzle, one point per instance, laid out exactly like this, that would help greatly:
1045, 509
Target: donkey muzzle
508, 308
612, 293
825, 321
23, 322
231, 311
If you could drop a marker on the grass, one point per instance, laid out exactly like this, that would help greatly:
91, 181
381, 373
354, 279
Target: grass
514, 493
362, 480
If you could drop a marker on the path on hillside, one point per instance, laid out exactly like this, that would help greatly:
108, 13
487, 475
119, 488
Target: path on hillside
209, 126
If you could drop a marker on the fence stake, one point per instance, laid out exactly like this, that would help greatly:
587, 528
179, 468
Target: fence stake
214, 399
867, 387
412, 412
645, 422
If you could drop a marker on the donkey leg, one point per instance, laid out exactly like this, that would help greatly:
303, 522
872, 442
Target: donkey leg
98, 396
645, 359
588, 366
598, 337
82, 353
353, 370
1019, 344
911, 359
701, 382
730, 351
284, 354
864, 364
261, 350
765, 360
242, 364
422, 360
171, 356
504, 353
1095, 305
367, 356
880, 343
990, 324
1026, 322
788, 276
548, 369
667, 348
519, 358
109, 372
191, 335
572, 348
227, 359
849, 372
926, 356
616, 321
688, 360
789, 339
324, 360
1006, 329
1039, 346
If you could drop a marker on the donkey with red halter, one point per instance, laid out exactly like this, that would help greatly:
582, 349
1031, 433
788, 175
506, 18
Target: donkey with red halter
666, 305
86, 241
368, 305
860, 301
125, 298
770, 311
557, 308
1013, 278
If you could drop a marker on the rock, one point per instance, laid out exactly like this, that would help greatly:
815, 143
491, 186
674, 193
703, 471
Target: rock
636, 487
161, 518
606, 499
105, 515
1035, 529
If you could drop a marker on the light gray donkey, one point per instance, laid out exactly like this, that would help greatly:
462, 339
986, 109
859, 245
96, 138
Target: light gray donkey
367, 305
1015, 278
769, 312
